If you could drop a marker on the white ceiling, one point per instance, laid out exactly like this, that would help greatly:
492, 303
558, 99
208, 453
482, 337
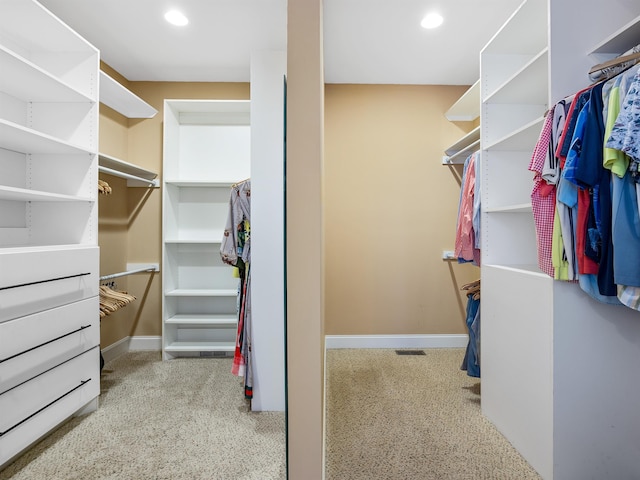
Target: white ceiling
365, 41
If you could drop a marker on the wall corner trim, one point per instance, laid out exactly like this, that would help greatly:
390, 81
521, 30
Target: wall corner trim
130, 344
396, 341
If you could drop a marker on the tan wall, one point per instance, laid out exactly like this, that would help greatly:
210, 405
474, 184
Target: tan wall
131, 218
390, 211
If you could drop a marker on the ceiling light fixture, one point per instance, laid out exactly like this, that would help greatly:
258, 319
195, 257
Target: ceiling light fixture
174, 17
432, 20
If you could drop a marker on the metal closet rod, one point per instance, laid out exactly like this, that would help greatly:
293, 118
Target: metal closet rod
128, 176
129, 272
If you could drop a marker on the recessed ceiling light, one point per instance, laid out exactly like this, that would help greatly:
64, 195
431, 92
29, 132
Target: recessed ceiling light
174, 17
432, 20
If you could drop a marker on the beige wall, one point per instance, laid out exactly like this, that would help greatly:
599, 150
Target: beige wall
130, 228
390, 211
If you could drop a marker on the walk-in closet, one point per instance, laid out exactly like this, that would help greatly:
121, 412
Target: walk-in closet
298, 239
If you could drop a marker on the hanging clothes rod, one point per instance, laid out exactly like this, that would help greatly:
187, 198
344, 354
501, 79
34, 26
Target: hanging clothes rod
129, 272
152, 183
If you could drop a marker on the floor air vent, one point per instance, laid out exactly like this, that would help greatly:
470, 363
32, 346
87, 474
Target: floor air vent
410, 352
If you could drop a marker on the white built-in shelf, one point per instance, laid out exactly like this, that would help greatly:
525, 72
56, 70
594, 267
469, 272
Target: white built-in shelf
202, 319
200, 347
467, 108
524, 85
25, 195
517, 208
459, 151
524, 269
621, 40
26, 81
212, 240
202, 292
26, 140
136, 176
510, 39
521, 139
122, 100
198, 183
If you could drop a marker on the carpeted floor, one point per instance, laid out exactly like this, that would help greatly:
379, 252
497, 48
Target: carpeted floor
182, 419
411, 417
389, 417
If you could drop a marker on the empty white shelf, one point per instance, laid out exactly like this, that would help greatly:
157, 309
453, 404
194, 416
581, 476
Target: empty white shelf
214, 239
26, 140
200, 347
621, 40
203, 319
25, 195
28, 82
136, 176
517, 208
115, 95
197, 183
467, 108
201, 292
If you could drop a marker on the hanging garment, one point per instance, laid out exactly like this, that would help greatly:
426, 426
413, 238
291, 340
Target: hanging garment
236, 250
543, 200
471, 360
465, 245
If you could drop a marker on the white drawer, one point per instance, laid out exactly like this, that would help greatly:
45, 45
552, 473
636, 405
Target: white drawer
33, 280
32, 409
35, 343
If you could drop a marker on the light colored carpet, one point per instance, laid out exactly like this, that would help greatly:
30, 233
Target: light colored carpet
389, 417
411, 417
181, 419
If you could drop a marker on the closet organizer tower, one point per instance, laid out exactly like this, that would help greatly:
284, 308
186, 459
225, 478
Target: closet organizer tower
49, 319
206, 150
558, 368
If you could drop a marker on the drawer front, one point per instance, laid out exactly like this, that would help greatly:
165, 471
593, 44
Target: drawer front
35, 343
34, 408
33, 281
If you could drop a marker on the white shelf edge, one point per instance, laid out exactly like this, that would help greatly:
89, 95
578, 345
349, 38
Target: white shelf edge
621, 40
515, 208
515, 133
45, 81
122, 100
198, 183
467, 107
202, 292
489, 99
178, 241
525, 269
463, 142
27, 140
202, 319
26, 195
460, 157
136, 176
200, 347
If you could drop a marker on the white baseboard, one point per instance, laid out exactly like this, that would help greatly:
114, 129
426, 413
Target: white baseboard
114, 350
130, 344
396, 341
145, 343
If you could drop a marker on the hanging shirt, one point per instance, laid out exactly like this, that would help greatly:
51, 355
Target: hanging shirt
625, 221
465, 239
543, 199
239, 211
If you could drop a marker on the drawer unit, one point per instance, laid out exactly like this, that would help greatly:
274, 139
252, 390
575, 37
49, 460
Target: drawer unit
33, 408
29, 345
33, 280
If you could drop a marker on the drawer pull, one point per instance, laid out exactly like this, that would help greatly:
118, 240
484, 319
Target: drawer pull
82, 327
45, 281
82, 382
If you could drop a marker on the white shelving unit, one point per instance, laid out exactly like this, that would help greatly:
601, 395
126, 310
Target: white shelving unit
136, 176
122, 100
555, 363
49, 321
466, 109
206, 150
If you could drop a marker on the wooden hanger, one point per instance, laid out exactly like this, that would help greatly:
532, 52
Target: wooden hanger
614, 62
